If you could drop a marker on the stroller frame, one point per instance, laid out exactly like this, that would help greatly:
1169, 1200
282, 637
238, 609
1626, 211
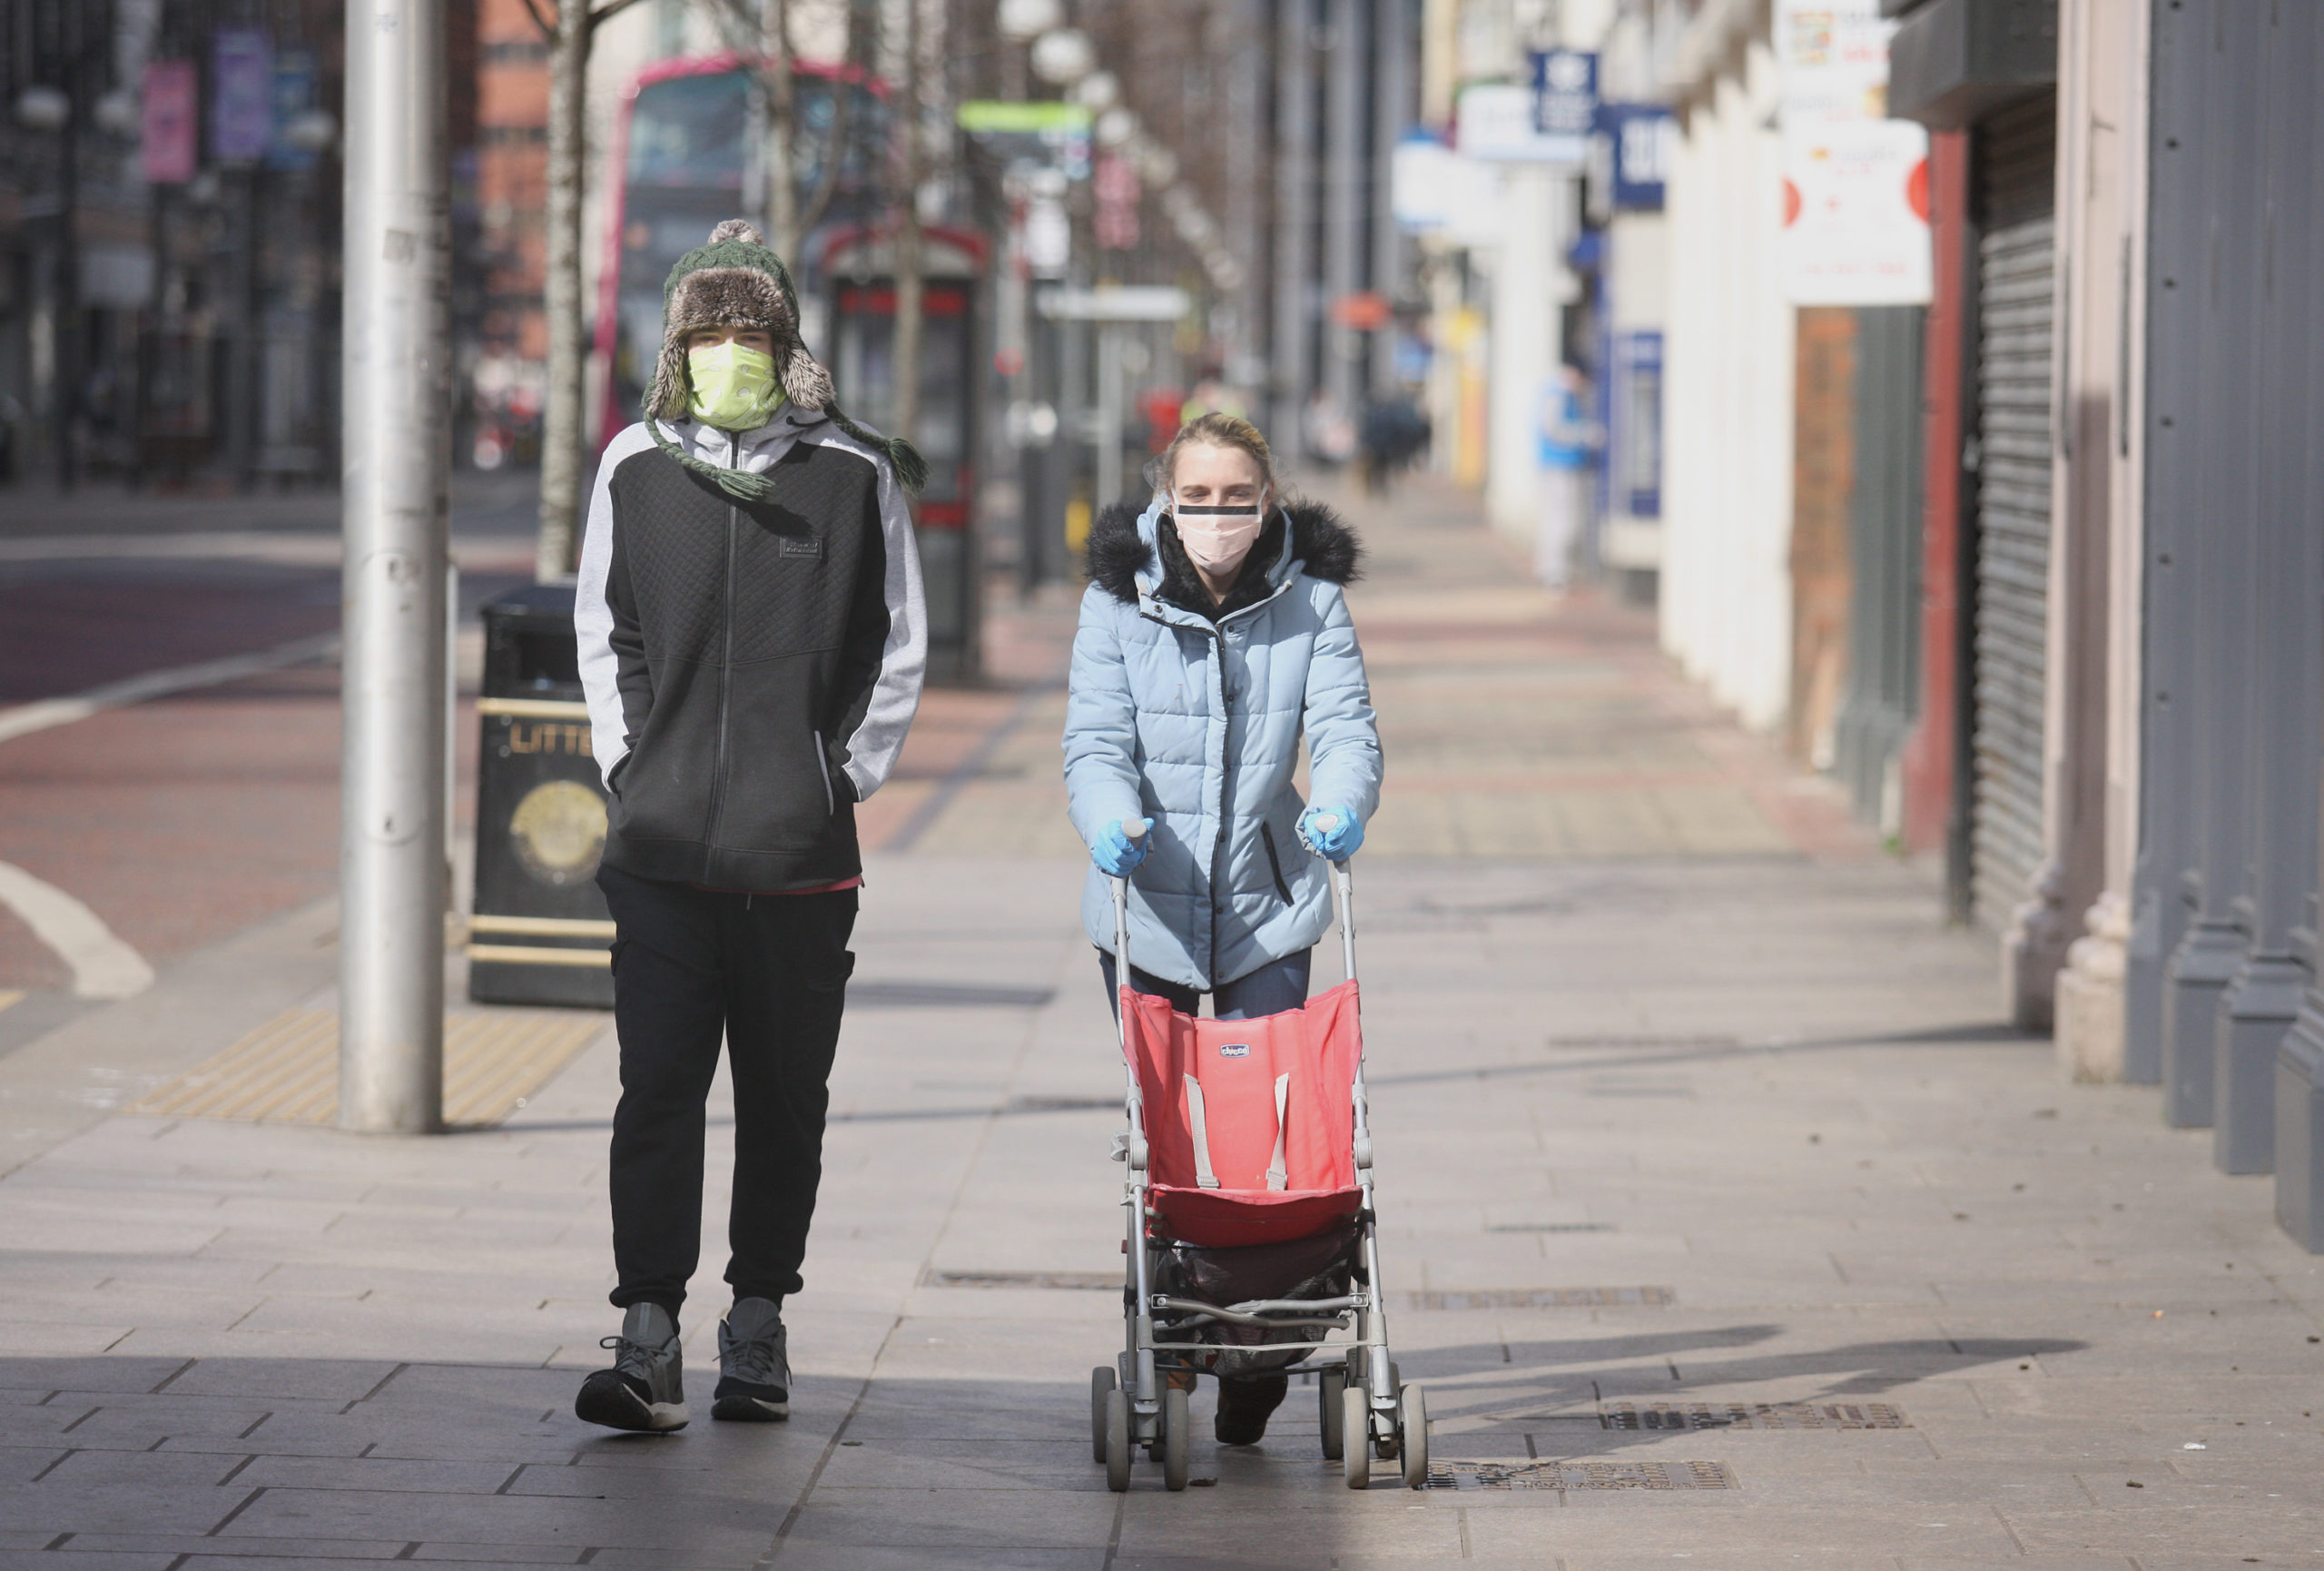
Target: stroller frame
1364, 1409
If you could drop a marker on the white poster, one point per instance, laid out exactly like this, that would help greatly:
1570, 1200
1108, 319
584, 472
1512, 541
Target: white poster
1856, 184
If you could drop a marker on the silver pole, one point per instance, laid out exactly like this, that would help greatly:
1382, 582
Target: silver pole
396, 442
1109, 417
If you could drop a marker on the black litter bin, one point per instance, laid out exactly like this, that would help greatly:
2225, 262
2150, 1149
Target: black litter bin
541, 932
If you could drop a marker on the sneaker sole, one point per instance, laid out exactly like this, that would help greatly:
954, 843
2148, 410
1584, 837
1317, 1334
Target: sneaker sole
616, 1407
750, 1410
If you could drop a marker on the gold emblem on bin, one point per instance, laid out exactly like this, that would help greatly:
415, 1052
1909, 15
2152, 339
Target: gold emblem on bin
559, 830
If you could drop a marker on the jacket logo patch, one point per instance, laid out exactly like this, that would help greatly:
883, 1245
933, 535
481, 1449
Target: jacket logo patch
1235, 1050
808, 546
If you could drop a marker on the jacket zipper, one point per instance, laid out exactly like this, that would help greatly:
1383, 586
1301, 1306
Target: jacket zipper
725, 667
1266, 838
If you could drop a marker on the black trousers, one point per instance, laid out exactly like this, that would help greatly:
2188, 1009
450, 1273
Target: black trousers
767, 973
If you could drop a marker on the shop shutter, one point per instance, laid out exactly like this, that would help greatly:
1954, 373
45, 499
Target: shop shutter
2017, 154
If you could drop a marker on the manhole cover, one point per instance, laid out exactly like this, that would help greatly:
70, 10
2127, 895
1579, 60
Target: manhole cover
1580, 1476
1751, 1416
1068, 1281
1544, 1298
1550, 1228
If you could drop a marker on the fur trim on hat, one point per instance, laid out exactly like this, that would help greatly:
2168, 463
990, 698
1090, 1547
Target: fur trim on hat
734, 281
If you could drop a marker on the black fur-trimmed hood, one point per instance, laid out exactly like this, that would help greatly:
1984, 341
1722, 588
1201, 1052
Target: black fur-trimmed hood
1322, 546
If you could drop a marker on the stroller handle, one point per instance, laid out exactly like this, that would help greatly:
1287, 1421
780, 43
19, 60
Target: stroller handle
1342, 893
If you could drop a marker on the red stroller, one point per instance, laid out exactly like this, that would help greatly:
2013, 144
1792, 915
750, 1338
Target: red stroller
1252, 1233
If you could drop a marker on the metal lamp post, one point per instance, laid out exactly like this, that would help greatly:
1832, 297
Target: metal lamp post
396, 442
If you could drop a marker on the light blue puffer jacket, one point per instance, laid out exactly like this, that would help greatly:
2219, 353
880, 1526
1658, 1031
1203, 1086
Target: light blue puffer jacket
1196, 726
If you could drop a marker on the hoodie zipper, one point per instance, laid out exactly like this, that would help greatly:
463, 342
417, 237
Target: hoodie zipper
725, 664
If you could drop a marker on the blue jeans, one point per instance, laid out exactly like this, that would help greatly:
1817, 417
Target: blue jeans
1273, 988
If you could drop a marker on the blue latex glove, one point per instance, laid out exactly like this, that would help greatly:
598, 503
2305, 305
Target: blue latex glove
1336, 843
1118, 853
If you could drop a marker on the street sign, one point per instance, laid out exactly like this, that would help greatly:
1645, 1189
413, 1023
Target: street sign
1497, 123
1642, 138
1045, 133
242, 88
1565, 92
169, 131
1132, 303
1856, 184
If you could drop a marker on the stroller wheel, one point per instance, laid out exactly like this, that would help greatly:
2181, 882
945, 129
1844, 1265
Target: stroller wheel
1101, 1380
1118, 1455
1412, 1435
1177, 1423
1356, 1437
1330, 1387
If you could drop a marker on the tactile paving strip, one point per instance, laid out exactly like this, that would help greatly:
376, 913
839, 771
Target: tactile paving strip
1751, 1416
1545, 1299
1580, 1476
287, 1070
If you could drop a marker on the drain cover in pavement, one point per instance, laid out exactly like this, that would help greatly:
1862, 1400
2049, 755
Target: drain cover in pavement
1070, 1281
1580, 1476
1751, 1416
1544, 1298
1550, 1228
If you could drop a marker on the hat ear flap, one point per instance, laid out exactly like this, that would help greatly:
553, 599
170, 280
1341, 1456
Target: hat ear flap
672, 390
804, 380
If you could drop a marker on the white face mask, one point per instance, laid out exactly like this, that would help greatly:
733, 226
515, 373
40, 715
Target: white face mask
1218, 539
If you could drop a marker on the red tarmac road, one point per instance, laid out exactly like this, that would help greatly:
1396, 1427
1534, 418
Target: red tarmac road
186, 819
181, 820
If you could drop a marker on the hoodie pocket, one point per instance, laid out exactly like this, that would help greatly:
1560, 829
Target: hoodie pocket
1274, 863
823, 769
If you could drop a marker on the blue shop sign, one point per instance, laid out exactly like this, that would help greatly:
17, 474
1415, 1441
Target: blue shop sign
1565, 92
1642, 136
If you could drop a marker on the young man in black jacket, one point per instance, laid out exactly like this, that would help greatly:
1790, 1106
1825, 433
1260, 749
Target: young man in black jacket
753, 639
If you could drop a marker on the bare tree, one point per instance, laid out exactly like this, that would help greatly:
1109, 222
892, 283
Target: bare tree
910, 261
760, 31
570, 27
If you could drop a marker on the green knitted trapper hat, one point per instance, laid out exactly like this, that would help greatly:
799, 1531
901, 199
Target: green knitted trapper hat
734, 281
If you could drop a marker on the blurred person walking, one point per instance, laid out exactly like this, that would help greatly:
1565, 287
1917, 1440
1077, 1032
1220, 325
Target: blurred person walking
1213, 635
1568, 438
752, 640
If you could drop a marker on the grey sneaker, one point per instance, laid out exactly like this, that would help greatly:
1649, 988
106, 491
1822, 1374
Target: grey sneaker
753, 1364
645, 1388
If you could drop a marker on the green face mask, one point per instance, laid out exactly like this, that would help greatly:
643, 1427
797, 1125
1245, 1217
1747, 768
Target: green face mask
734, 387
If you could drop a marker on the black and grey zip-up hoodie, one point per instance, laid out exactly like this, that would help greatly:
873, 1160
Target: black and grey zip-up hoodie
750, 667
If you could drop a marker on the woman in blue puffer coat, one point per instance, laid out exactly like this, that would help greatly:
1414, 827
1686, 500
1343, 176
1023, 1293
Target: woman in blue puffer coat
1214, 635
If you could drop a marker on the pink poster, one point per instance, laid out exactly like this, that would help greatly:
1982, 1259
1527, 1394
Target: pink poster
170, 121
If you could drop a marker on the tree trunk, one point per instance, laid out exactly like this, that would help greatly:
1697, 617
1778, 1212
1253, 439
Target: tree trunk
781, 98
909, 260
563, 427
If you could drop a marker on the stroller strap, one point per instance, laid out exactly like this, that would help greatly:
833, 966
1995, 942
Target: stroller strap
1277, 1177
1202, 1174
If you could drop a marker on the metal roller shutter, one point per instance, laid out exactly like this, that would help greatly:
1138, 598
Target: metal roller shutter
2017, 154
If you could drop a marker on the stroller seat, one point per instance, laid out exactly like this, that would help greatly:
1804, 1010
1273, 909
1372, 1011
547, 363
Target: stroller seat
1250, 1123
1250, 1228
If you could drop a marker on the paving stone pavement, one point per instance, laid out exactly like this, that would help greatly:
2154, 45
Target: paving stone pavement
1754, 1075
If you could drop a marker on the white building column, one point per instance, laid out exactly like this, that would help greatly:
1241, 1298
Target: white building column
2100, 512
1530, 282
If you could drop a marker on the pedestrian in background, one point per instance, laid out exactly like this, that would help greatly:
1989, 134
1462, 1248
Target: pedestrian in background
1568, 438
752, 640
1214, 635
